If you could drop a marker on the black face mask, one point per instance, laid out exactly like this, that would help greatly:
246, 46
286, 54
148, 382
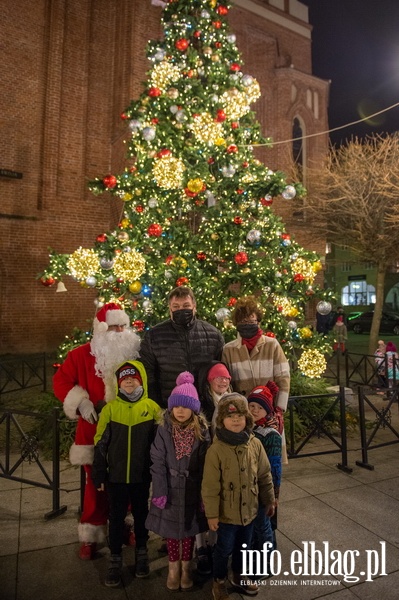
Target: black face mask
183, 316
247, 330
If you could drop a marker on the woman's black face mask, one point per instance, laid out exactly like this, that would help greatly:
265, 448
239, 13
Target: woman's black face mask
247, 330
183, 316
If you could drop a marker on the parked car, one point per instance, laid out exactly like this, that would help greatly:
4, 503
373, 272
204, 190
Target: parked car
361, 323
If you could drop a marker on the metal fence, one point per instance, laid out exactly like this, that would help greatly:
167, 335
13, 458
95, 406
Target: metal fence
29, 452
23, 372
352, 370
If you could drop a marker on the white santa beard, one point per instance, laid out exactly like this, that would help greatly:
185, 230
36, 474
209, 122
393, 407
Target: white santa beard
111, 349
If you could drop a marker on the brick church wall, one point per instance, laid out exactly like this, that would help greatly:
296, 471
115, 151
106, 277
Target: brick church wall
70, 67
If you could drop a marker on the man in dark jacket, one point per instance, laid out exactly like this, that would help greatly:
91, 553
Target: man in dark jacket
182, 343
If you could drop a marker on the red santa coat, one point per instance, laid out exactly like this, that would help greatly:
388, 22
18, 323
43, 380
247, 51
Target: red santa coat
74, 381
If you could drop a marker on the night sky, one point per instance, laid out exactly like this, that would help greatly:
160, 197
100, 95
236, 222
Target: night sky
356, 46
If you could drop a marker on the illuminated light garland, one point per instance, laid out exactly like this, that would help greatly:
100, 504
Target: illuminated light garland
206, 129
305, 268
236, 103
168, 172
287, 308
163, 74
129, 266
83, 263
312, 363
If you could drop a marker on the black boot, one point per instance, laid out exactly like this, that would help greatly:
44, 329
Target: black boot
142, 566
113, 577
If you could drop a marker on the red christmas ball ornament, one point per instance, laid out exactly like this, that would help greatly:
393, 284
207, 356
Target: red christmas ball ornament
47, 281
285, 236
220, 115
181, 281
123, 116
270, 334
217, 24
222, 10
235, 125
199, 202
211, 161
139, 208
235, 67
266, 201
218, 45
240, 191
110, 181
139, 325
232, 149
182, 44
241, 258
197, 34
164, 152
232, 301
154, 92
298, 277
189, 193
201, 256
56, 365
169, 259
101, 238
155, 121
132, 169
238, 220
154, 230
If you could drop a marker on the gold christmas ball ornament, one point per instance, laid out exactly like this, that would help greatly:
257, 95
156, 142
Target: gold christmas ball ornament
135, 287
195, 185
214, 236
138, 192
123, 236
172, 93
127, 196
207, 50
125, 223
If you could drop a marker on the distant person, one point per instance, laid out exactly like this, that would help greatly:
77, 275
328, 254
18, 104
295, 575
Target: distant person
340, 334
182, 342
392, 364
121, 466
338, 313
323, 323
84, 383
178, 454
379, 355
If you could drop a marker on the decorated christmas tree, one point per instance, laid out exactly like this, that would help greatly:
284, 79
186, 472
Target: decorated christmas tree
197, 204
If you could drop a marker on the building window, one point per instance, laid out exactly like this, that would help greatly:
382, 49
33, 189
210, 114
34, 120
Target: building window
346, 266
368, 266
358, 293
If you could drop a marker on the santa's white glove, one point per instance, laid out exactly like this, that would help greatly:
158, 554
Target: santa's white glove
87, 411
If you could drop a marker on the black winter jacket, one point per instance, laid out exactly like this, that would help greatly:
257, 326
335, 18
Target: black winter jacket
168, 349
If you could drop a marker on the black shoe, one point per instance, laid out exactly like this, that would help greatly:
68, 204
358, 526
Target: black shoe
142, 565
113, 577
204, 564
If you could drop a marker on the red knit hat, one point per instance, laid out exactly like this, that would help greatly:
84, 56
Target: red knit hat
218, 370
110, 314
262, 396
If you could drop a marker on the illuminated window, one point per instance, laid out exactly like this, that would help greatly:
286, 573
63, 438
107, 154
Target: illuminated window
358, 293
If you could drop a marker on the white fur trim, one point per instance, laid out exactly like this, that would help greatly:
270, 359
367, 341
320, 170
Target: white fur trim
72, 400
117, 317
99, 326
81, 455
110, 388
89, 534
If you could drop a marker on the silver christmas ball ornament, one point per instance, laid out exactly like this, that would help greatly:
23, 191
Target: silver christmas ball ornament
222, 314
289, 192
323, 307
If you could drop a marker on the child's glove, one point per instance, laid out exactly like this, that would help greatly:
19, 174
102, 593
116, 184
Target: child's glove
160, 502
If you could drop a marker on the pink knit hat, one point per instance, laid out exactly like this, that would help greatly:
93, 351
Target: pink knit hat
185, 394
218, 370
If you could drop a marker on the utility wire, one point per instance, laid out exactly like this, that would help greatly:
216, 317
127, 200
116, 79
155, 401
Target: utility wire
305, 137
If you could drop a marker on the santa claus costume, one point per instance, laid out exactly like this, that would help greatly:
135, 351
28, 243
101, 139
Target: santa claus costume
84, 382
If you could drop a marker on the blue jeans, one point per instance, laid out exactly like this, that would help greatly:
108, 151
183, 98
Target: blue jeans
263, 532
229, 541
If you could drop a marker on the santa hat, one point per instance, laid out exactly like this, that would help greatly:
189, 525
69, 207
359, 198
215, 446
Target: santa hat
218, 370
262, 395
231, 404
185, 394
110, 314
128, 370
